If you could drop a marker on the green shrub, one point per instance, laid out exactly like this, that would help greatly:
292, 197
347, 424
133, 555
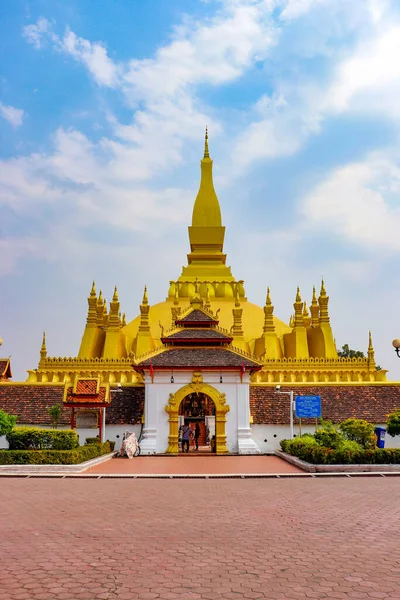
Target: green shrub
31, 438
349, 452
360, 431
393, 424
92, 440
55, 457
328, 435
7, 422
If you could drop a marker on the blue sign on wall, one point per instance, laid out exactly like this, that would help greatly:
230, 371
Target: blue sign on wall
308, 407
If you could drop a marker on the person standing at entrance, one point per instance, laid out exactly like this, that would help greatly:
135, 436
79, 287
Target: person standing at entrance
186, 433
196, 435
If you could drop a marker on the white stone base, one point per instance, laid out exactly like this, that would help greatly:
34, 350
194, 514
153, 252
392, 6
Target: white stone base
246, 444
148, 443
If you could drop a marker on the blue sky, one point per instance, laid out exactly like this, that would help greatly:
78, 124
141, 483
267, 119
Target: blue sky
103, 107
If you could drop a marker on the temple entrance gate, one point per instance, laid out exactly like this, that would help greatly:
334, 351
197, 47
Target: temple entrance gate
199, 409
221, 408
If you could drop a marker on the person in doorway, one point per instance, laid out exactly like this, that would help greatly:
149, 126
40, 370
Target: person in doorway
196, 435
186, 434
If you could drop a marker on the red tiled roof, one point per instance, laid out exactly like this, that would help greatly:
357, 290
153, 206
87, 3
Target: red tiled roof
199, 357
5, 368
197, 334
197, 316
29, 403
372, 403
86, 386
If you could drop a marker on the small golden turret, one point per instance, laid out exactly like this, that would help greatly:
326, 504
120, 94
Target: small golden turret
298, 311
43, 349
306, 315
314, 308
268, 314
371, 355
123, 323
144, 325
237, 328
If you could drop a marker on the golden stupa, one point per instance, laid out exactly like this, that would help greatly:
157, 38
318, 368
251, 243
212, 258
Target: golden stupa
302, 351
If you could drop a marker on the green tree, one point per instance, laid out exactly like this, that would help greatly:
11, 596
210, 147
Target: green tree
393, 423
346, 352
360, 431
7, 422
55, 414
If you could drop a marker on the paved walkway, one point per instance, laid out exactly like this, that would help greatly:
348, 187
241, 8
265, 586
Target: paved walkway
141, 539
195, 465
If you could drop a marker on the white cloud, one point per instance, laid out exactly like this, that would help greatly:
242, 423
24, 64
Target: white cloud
36, 33
361, 202
14, 116
94, 56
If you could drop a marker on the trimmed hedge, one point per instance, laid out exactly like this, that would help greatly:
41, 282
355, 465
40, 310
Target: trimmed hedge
321, 455
55, 457
32, 438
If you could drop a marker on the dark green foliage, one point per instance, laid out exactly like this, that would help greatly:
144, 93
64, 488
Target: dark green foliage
346, 352
92, 440
359, 431
7, 422
55, 457
347, 453
31, 438
55, 414
393, 423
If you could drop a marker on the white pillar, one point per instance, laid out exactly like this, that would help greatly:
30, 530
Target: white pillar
246, 444
148, 444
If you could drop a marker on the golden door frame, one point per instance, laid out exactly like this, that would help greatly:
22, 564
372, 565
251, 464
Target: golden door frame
221, 408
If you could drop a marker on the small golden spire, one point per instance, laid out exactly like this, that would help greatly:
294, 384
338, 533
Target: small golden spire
176, 298
371, 354
115, 296
305, 310
123, 320
145, 299
268, 300
93, 290
298, 297
43, 349
206, 152
291, 321
100, 298
323, 290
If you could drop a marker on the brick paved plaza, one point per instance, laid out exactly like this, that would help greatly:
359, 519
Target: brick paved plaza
289, 538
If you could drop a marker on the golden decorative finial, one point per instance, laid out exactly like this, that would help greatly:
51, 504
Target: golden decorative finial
314, 296
100, 298
145, 299
291, 321
196, 286
115, 296
268, 300
206, 152
305, 310
123, 320
371, 354
298, 297
323, 290
93, 290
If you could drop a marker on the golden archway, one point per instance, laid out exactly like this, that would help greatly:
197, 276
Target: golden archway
221, 408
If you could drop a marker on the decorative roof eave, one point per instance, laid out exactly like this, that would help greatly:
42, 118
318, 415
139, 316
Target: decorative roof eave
5, 368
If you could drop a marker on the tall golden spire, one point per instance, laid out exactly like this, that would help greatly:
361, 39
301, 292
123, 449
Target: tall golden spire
113, 317
314, 309
206, 260
92, 310
100, 309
